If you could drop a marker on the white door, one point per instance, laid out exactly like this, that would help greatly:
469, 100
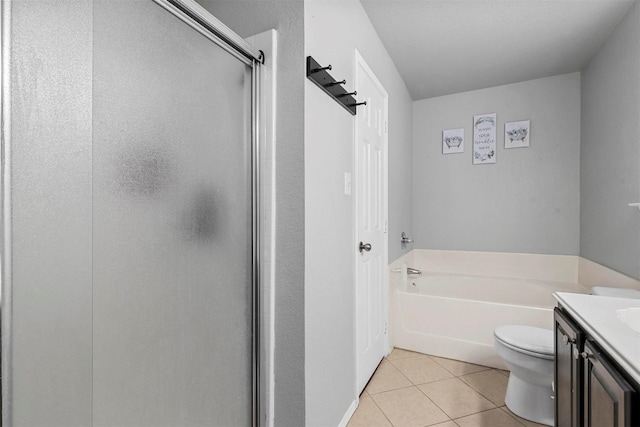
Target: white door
371, 223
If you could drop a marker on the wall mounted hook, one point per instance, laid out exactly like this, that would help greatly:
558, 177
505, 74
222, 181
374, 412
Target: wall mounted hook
317, 70
342, 82
321, 78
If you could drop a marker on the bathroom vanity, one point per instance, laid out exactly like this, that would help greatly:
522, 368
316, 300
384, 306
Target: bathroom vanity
597, 361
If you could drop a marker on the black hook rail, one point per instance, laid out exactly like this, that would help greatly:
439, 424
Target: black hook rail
321, 77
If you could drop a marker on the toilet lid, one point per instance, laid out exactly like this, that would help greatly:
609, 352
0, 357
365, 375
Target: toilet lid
528, 338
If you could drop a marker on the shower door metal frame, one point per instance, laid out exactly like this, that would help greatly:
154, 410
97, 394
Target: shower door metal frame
202, 21
206, 24
5, 262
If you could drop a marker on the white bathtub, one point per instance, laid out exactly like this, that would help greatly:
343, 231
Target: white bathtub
454, 316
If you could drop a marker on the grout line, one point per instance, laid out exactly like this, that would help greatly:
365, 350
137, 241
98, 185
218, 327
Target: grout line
479, 392
401, 373
393, 389
495, 406
454, 375
414, 353
381, 411
503, 372
437, 406
512, 415
498, 408
486, 368
428, 382
403, 388
479, 412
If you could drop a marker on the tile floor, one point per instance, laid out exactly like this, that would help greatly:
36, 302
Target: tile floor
415, 390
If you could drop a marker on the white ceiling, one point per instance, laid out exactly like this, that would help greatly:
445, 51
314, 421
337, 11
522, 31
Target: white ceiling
442, 47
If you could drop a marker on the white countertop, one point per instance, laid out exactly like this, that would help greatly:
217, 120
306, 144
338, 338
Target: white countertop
597, 316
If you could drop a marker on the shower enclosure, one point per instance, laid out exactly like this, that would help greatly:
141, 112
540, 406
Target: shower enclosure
130, 240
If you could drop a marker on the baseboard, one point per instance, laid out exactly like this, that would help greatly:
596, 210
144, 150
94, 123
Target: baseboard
349, 414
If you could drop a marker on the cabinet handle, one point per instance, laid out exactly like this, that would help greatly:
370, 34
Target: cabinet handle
566, 340
577, 354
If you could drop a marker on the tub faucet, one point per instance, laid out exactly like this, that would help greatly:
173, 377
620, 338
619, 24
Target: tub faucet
409, 270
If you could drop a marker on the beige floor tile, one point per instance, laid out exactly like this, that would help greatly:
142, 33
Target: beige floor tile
456, 398
399, 353
491, 384
526, 423
421, 369
457, 367
446, 424
409, 407
505, 373
368, 415
387, 377
491, 418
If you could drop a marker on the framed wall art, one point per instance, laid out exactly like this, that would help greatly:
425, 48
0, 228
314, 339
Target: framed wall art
484, 139
516, 134
452, 141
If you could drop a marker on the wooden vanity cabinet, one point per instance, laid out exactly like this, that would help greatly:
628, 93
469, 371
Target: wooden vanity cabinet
569, 343
590, 391
607, 395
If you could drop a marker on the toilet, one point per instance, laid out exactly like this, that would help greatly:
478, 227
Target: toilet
528, 352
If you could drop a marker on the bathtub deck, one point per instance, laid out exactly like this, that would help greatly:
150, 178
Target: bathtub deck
411, 388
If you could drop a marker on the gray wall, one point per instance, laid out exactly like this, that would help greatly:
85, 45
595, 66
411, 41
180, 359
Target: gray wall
248, 18
333, 31
610, 152
529, 200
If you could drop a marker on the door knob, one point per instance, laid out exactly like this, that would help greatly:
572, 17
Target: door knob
365, 247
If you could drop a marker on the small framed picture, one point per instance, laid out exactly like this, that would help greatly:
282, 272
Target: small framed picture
453, 141
484, 139
516, 134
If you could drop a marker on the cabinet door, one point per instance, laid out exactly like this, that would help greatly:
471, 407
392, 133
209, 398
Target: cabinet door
569, 341
607, 396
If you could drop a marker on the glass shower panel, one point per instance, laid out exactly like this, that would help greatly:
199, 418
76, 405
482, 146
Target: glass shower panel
172, 294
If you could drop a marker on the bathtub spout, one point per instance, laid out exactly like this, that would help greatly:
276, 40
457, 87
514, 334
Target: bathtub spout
409, 270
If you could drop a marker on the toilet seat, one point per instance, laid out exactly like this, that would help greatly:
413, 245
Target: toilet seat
536, 342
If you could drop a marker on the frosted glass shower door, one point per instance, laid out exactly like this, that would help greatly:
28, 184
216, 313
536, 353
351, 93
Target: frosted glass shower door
172, 223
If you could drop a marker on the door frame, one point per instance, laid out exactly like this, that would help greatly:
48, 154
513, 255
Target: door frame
359, 62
